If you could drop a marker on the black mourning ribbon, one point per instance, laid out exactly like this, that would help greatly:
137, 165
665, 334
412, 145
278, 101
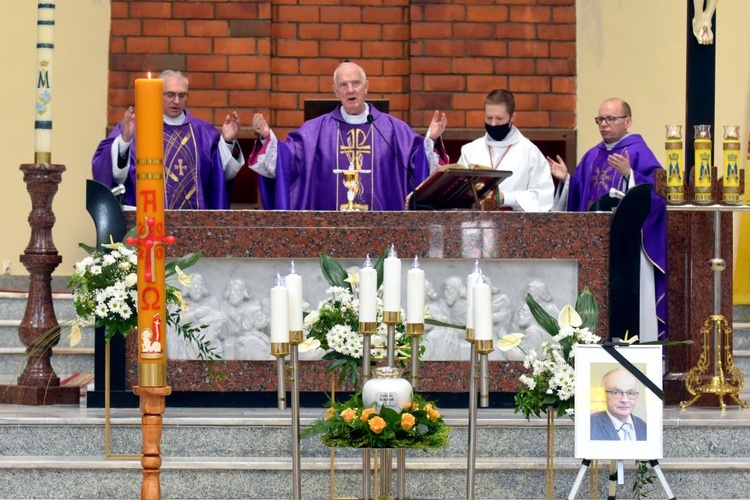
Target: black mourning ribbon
611, 348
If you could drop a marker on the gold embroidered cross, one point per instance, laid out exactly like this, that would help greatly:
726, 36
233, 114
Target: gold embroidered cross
354, 148
181, 167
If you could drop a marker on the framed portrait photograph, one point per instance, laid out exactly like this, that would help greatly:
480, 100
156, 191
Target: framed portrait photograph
617, 417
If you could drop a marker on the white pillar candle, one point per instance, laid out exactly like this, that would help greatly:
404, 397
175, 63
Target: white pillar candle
415, 294
293, 282
392, 282
43, 106
368, 293
279, 312
482, 311
471, 280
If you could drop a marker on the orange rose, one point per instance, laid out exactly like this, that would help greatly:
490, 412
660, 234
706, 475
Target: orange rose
377, 424
434, 414
348, 415
407, 421
330, 413
367, 413
413, 406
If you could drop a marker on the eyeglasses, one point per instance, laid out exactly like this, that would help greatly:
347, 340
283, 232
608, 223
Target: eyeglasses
617, 394
172, 95
609, 119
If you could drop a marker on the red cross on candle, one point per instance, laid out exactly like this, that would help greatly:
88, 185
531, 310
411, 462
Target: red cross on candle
148, 240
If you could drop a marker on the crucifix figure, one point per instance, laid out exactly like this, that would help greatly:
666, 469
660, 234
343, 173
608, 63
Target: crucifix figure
702, 21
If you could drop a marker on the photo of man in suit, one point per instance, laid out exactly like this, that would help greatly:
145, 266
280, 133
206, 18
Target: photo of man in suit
617, 422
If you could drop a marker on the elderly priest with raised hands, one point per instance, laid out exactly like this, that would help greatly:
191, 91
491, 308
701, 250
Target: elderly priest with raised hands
307, 171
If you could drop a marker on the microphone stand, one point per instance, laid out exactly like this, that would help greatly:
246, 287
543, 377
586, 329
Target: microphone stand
412, 187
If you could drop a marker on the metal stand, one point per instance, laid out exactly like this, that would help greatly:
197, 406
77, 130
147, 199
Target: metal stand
725, 378
616, 474
415, 330
295, 338
480, 348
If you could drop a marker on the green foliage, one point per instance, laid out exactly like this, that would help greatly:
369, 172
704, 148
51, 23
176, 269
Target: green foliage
644, 480
350, 425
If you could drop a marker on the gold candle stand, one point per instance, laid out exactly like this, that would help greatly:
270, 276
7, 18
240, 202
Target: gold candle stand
280, 350
415, 330
366, 329
391, 319
295, 339
725, 378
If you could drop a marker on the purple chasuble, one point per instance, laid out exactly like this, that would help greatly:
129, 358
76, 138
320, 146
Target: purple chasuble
310, 164
594, 177
193, 171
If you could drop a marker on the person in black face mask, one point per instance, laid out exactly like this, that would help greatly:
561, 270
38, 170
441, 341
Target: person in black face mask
503, 147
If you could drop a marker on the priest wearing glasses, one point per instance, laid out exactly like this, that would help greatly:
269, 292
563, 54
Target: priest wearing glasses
307, 170
617, 422
199, 161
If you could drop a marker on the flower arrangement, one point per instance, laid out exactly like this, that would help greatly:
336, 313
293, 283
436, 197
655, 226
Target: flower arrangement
334, 325
552, 380
104, 292
350, 425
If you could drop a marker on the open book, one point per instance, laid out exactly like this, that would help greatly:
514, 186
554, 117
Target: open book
455, 186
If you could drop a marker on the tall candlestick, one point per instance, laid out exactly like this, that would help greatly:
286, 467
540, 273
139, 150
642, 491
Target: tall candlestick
279, 312
392, 282
368, 292
151, 231
293, 283
415, 294
45, 48
471, 280
482, 311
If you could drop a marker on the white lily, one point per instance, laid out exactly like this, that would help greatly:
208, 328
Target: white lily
184, 279
569, 317
308, 345
75, 334
508, 342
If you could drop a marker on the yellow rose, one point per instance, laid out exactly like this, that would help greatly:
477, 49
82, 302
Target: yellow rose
330, 413
407, 421
348, 415
367, 413
434, 414
377, 424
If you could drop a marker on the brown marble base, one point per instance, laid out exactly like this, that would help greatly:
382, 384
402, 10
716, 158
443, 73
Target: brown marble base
33, 395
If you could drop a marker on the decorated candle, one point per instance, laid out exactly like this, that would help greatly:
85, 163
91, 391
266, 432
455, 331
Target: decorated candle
151, 232
482, 310
415, 294
293, 283
368, 291
702, 170
392, 282
279, 312
45, 48
731, 179
471, 280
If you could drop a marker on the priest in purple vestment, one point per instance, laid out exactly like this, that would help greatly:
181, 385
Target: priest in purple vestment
199, 162
384, 156
621, 161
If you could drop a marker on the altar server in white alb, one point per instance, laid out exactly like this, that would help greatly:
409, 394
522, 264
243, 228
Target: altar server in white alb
504, 147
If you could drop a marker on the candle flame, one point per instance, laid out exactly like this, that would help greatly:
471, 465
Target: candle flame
279, 280
368, 262
415, 265
392, 251
292, 269
149, 75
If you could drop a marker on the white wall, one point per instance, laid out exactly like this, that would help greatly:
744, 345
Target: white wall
79, 86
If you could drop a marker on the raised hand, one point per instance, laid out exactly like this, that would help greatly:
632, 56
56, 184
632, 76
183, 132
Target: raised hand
437, 125
231, 127
558, 168
260, 125
128, 124
621, 163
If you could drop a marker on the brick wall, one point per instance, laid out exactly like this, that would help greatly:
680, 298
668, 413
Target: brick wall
420, 54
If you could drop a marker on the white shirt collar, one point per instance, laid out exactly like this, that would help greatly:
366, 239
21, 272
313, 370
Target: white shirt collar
355, 119
618, 424
611, 145
175, 122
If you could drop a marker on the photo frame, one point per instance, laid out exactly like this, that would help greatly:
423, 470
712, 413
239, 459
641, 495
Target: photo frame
607, 393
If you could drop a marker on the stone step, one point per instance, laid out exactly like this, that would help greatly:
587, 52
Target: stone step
500, 434
13, 305
741, 336
9, 334
425, 478
64, 360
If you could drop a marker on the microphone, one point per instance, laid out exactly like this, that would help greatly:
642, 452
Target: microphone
409, 173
